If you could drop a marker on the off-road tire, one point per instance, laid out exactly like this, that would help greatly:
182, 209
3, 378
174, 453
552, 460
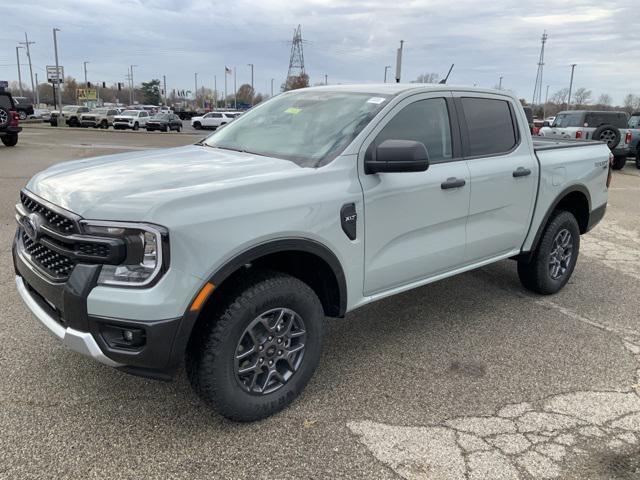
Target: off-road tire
197, 125
10, 140
535, 274
5, 117
619, 163
607, 133
210, 359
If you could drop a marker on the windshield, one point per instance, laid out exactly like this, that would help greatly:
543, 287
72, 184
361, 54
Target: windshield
132, 113
567, 120
308, 127
69, 108
160, 117
101, 111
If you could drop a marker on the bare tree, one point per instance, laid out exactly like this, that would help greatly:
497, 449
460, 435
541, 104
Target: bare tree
560, 96
582, 97
427, 78
605, 100
631, 102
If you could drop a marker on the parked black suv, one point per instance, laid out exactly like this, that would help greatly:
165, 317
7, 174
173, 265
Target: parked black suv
9, 128
23, 107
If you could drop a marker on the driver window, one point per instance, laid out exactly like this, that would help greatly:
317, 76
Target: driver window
425, 121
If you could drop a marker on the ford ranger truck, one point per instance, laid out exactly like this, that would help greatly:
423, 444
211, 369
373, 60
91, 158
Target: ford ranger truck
226, 255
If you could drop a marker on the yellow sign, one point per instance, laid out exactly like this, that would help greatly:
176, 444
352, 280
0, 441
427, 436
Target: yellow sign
87, 94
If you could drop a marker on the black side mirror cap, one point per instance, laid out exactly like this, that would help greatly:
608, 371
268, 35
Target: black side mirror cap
395, 156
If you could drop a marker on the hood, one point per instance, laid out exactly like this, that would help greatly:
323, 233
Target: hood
127, 186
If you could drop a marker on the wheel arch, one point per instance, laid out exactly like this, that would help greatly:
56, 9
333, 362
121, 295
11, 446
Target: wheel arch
575, 199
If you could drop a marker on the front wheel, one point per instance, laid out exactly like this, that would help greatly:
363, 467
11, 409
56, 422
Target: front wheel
555, 256
257, 350
22, 115
136, 126
10, 140
197, 125
619, 163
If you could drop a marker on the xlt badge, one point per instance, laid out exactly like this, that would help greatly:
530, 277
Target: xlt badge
349, 220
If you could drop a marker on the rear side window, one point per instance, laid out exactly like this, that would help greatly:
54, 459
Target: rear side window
5, 102
490, 125
634, 122
595, 119
425, 121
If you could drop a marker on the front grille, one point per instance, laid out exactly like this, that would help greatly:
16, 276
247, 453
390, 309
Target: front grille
89, 119
93, 249
56, 221
54, 264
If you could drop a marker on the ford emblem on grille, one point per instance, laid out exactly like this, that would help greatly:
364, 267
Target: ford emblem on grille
31, 224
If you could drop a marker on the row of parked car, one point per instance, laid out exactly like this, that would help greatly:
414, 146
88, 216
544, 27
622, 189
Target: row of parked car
620, 131
135, 117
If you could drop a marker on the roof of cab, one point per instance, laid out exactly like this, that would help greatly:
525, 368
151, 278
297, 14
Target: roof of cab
396, 88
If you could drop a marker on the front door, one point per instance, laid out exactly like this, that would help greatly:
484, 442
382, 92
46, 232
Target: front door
415, 222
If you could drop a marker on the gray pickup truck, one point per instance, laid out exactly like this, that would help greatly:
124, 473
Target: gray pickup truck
229, 253
610, 127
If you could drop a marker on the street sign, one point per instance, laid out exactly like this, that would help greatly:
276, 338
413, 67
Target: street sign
87, 94
55, 76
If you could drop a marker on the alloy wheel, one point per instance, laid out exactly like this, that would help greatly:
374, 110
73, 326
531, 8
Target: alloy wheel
561, 254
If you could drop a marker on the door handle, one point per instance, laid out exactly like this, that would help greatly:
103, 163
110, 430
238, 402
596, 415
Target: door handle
521, 172
452, 182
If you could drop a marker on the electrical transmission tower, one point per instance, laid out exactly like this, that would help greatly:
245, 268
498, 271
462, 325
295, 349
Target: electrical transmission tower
537, 90
296, 60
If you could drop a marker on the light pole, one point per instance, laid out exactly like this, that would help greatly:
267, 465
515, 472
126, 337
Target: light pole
26, 43
326, 79
544, 107
235, 88
573, 67
164, 87
500, 84
272, 87
37, 92
251, 65
195, 92
58, 79
385, 72
215, 92
19, 74
133, 85
86, 84
399, 61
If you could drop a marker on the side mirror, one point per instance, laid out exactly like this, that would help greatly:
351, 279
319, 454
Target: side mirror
546, 124
396, 156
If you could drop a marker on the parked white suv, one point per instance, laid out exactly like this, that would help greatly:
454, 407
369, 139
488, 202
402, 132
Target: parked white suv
213, 120
133, 119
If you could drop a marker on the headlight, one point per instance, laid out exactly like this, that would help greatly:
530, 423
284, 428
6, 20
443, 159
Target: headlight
144, 261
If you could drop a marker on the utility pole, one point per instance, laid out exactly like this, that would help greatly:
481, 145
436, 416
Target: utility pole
500, 84
326, 79
195, 92
164, 86
86, 83
133, 86
235, 88
251, 65
58, 79
225, 87
399, 61
272, 87
544, 107
573, 67
537, 90
385, 72
19, 74
37, 91
215, 92
26, 43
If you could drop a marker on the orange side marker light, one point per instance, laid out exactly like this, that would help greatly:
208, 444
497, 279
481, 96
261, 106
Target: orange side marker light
202, 297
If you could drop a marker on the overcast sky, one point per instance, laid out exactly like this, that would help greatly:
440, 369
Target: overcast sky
350, 41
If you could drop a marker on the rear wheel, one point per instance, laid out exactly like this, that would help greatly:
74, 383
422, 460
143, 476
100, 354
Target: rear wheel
197, 125
10, 140
22, 115
619, 163
165, 129
258, 349
555, 256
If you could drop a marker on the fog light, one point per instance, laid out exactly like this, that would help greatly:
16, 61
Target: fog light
127, 335
123, 337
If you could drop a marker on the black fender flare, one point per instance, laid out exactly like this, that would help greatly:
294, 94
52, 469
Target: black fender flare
573, 188
248, 256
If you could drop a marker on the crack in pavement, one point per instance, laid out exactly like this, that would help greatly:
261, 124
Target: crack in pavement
525, 440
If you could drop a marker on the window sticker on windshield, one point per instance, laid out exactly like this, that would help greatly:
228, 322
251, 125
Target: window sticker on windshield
376, 100
292, 110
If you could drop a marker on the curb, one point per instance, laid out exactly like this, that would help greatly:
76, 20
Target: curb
43, 126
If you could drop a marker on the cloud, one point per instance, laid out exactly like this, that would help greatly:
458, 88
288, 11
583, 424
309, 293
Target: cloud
348, 41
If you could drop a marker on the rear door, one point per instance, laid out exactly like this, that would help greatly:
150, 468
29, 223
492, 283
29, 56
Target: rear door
504, 174
415, 221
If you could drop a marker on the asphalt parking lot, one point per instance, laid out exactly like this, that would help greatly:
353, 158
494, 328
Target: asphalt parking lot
467, 378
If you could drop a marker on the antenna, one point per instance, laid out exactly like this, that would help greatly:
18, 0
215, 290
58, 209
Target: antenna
444, 80
537, 90
296, 59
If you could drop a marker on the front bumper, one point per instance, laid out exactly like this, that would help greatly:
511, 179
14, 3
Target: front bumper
122, 125
62, 308
89, 123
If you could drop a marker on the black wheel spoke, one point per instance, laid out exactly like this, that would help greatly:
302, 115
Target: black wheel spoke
561, 254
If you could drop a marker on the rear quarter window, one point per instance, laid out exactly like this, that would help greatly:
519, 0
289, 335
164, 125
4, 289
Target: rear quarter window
595, 119
490, 126
5, 102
